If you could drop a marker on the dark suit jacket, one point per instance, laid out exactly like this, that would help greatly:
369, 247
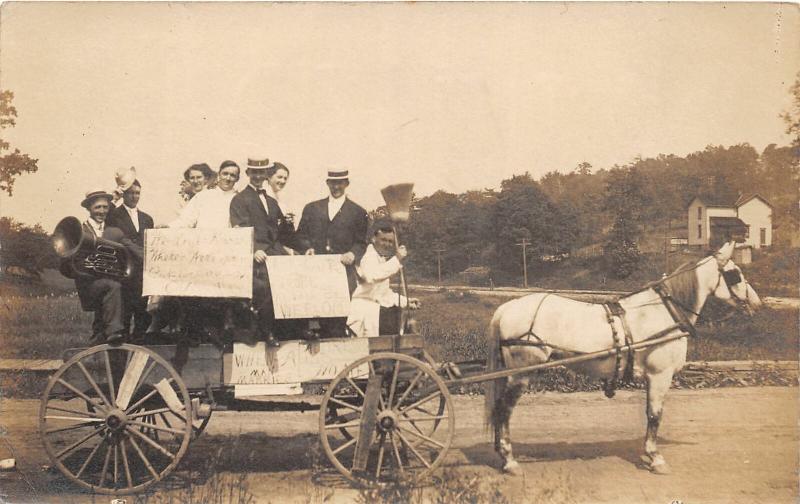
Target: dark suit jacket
119, 218
247, 210
347, 232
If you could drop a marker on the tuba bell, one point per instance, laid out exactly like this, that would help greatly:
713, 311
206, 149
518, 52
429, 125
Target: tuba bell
86, 254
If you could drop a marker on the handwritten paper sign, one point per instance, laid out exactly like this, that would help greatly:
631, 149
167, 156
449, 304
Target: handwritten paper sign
296, 361
308, 286
198, 262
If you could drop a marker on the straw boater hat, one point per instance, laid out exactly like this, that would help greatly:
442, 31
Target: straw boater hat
257, 163
93, 195
338, 175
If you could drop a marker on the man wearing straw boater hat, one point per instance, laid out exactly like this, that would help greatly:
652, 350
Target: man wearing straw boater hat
133, 223
103, 296
335, 225
252, 207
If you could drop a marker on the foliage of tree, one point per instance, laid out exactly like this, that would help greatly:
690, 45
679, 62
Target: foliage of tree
579, 194
628, 200
12, 163
25, 247
523, 211
792, 117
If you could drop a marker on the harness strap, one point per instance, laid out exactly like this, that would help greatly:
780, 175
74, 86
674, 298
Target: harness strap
672, 307
530, 332
619, 311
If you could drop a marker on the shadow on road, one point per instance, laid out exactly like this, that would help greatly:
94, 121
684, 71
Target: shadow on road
629, 450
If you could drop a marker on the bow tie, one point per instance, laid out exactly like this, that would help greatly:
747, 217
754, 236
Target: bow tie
263, 192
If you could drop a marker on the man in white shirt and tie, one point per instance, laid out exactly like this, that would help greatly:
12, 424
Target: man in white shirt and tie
335, 225
132, 222
375, 308
252, 207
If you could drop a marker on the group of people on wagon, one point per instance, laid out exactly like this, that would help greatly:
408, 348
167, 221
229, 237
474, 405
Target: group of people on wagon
331, 225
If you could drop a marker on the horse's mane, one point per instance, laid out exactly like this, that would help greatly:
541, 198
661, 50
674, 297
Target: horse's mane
682, 284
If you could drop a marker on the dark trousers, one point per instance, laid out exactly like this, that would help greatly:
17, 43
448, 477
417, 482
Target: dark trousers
105, 298
134, 314
262, 300
389, 321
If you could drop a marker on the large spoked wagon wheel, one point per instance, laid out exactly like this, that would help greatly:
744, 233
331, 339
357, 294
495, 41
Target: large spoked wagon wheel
386, 417
116, 419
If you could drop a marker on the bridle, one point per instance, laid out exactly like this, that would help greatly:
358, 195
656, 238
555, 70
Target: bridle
730, 277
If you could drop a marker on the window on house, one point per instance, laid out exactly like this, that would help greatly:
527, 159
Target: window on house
699, 231
747, 232
763, 236
699, 213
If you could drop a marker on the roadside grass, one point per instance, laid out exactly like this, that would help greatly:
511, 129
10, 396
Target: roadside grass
43, 326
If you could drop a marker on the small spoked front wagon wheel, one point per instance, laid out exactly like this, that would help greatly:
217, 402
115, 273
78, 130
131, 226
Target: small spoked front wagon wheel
116, 419
386, 417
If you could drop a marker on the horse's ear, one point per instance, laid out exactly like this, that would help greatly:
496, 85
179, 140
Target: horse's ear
725, 252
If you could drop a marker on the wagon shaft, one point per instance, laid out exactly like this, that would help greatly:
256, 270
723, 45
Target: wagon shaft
657, 339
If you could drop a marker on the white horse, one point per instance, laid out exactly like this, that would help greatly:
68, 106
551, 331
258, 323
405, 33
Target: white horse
535, 328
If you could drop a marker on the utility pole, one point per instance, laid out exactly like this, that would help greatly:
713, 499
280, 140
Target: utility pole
524, 244
667, 237
439, 263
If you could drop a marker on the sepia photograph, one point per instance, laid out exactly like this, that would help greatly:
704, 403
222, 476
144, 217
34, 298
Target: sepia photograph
399, 252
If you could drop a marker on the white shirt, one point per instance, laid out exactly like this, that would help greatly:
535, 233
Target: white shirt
373, 291
261, 196
97, 227
209, 209
334, 205
134, 214
272, 194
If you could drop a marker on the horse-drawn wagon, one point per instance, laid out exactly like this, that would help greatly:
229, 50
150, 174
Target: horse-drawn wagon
117, 418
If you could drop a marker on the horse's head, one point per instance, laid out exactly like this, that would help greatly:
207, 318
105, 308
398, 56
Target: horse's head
731, 285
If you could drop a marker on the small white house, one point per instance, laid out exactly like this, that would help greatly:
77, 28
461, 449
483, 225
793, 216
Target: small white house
749, 219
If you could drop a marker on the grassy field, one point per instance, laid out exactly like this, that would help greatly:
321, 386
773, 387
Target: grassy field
42, 326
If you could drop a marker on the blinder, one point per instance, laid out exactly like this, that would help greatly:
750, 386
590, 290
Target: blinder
732, 277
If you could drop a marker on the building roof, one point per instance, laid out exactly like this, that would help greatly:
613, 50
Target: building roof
720, 201
727, 222
715, 200
744, 198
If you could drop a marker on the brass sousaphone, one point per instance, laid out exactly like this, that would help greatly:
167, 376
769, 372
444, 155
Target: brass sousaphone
86, 254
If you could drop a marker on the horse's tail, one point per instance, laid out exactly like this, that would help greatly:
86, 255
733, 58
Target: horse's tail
493, 389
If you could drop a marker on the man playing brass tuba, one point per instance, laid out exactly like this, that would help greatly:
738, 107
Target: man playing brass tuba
96, 280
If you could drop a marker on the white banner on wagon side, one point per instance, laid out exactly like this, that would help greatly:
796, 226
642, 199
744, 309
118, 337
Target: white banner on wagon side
308, 286
295, 361
215, 263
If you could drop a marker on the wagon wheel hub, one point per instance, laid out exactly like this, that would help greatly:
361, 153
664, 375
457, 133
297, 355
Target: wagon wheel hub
387, 421
116, 420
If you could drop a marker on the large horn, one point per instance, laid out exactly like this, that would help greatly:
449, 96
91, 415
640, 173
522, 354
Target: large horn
398, 200
86, 254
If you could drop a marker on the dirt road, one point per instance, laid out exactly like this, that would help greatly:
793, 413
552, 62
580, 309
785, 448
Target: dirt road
724, 445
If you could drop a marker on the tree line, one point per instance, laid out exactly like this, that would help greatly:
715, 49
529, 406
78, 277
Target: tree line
612, 208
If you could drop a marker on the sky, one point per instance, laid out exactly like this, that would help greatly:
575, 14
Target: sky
453, 96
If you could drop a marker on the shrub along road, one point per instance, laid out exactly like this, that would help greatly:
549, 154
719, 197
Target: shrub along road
730, 445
